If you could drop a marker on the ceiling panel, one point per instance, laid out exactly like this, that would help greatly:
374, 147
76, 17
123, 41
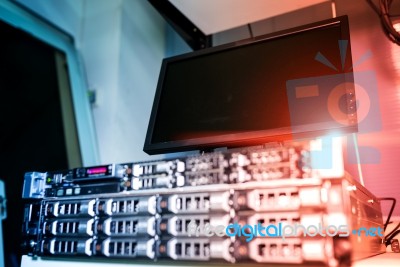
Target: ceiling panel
213, 16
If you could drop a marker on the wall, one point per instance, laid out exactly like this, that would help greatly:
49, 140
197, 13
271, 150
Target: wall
212, 16
142, 49
99, 46
381, 167
64, 14
122, 44
379, 142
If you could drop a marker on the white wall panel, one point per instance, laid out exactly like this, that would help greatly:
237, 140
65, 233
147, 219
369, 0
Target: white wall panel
213, 16
64, 14
122, 44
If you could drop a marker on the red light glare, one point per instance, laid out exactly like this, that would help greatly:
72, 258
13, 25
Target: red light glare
97, 170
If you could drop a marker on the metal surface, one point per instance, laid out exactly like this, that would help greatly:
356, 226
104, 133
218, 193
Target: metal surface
193, 36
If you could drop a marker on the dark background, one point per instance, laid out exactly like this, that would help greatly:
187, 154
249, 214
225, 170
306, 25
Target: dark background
31, 133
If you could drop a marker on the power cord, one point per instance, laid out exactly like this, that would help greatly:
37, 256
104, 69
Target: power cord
391, 209
389, 237
383, 11
250, 30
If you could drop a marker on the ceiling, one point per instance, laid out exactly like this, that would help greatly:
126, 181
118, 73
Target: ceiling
213, 16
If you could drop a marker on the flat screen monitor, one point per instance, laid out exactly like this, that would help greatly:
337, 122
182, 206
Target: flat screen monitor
291, 84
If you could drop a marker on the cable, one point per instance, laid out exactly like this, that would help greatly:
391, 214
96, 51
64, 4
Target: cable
391, 235
374, 7
387, 23
391, 209
388, 238
250, 30
383, 11
360, 174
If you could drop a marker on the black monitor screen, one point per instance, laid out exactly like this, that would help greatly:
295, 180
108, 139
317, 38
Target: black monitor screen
292, 83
